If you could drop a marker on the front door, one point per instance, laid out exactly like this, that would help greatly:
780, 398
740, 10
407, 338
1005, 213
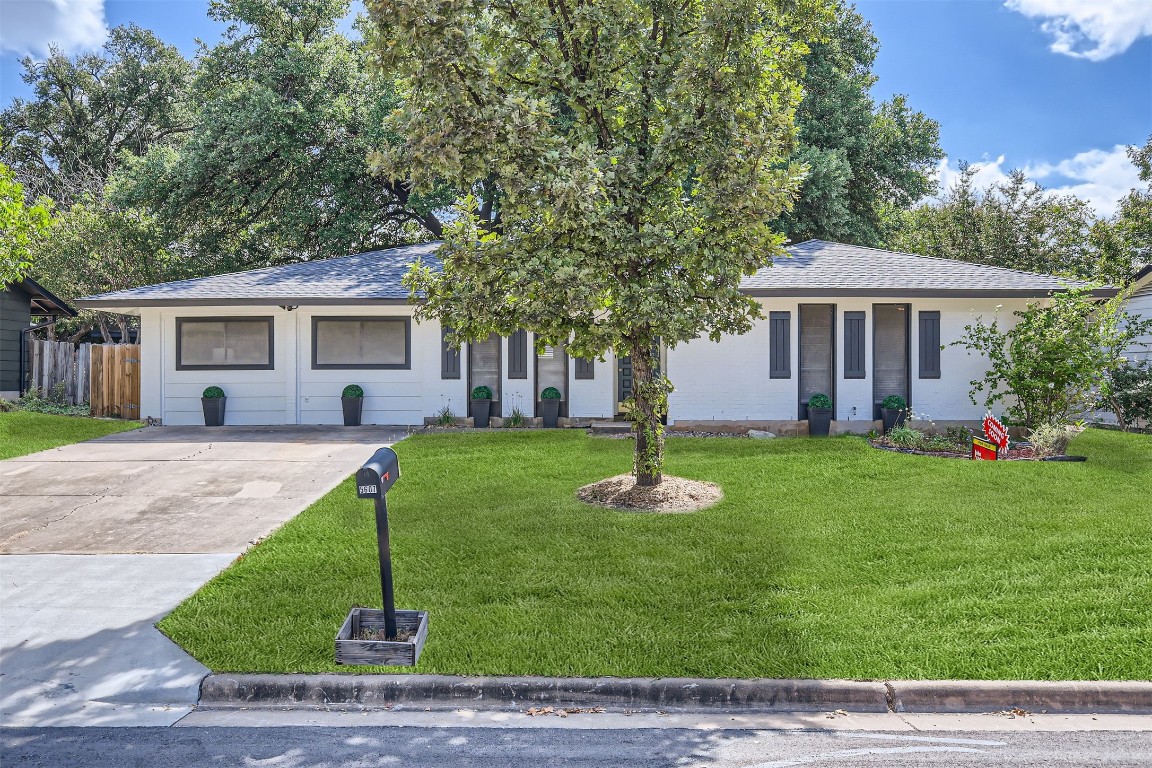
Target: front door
890, 350
817, 353
484, 370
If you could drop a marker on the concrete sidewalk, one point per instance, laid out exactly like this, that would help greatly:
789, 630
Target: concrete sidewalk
102, 539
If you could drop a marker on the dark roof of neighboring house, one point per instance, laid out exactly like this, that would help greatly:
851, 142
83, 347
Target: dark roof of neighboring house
43, 300
816, 268
1143, 273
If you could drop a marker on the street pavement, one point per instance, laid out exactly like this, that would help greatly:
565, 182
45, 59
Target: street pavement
456, 747
101, 539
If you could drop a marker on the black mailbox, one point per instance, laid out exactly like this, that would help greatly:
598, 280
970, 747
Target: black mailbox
378, 474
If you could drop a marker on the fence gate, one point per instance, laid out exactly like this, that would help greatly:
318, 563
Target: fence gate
115, 380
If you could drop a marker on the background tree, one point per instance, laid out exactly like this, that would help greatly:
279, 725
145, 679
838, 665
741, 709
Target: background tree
1015, 223
93, 247
1051, 366
867, 163
1133, 220
626, 159
273, 168
21, 227
91, 111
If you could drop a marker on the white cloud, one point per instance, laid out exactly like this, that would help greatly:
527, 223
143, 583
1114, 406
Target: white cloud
1089, 29
1100, 176
29, 27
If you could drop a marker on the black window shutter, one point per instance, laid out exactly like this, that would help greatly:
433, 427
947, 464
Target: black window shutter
854, 367
780, 345
518, 355
929, 345
585, 368
449, 357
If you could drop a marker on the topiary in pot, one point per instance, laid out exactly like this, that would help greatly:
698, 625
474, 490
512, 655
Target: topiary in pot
550, 406
213, 401
894, 410
819, 414
481, 406
352, 403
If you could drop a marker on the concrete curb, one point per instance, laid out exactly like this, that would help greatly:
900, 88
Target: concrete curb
670, 694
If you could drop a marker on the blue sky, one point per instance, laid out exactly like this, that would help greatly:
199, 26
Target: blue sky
1056, 87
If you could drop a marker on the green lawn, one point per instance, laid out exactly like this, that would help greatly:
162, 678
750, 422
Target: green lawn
23, 432
827, 558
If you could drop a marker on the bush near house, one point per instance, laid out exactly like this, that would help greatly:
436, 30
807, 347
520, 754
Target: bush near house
825, 559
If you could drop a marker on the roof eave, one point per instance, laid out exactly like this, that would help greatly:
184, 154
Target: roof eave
120, 304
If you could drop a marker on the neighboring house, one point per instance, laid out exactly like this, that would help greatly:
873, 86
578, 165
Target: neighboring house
1140, 305
19, 303
855, 323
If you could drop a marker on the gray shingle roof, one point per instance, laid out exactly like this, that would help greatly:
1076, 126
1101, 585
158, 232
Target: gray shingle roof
817, 268
371, 276
820, 268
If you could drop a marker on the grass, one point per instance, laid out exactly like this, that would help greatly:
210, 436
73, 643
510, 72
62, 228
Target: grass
827, 558
23, 432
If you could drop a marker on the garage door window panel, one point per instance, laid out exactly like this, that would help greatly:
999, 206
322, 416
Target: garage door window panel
228, 343
361, 342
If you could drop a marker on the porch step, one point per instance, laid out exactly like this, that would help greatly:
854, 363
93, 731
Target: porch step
610, 427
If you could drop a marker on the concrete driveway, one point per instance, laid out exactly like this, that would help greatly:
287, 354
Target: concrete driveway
99, 540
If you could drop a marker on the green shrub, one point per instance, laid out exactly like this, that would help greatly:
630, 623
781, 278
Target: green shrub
353, 390
516, 419
819, 400
6, 405
551, 393
894, 403
1053, 439
905, 437
213, 393
445, 417
481, 393
51, 401
1127, 392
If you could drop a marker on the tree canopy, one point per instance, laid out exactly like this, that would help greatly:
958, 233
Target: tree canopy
273, 166
92, 111
21, 227
1017, 224
866, 163
624, 161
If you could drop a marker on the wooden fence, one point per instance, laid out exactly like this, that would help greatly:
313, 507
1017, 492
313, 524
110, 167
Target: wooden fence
107, 376
115, 380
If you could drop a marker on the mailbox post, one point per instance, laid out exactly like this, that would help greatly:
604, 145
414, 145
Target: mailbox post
404, 632
372, 482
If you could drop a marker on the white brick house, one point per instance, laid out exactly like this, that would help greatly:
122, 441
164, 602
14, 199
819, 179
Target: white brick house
855, 323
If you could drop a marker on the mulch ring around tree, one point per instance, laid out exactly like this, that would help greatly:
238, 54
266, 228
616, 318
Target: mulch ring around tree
1023, 453
675, 494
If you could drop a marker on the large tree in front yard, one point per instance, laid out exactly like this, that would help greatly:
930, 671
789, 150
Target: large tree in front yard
624, 161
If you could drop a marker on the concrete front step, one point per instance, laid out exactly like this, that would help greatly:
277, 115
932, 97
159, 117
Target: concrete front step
610, 427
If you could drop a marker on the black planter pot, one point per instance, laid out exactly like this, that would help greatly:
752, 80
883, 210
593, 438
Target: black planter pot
353, 409
213, 411
893, 417
550, 410
819, 421
481, 412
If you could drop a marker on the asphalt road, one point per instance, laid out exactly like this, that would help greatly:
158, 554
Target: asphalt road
420, 747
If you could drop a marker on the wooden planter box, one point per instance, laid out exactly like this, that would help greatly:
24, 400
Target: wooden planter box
381, 652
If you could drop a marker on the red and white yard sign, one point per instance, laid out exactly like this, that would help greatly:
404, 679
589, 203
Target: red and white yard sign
996, 431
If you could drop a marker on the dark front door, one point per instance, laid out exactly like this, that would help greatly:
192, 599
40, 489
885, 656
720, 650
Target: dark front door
890, 340
817, 352
484, 369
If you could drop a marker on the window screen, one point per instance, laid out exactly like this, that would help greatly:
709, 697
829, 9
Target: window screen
779, 345
224, 342
360, 342
854, 366
929, 345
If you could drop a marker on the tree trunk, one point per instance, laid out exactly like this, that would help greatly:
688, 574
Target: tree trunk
649, 401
